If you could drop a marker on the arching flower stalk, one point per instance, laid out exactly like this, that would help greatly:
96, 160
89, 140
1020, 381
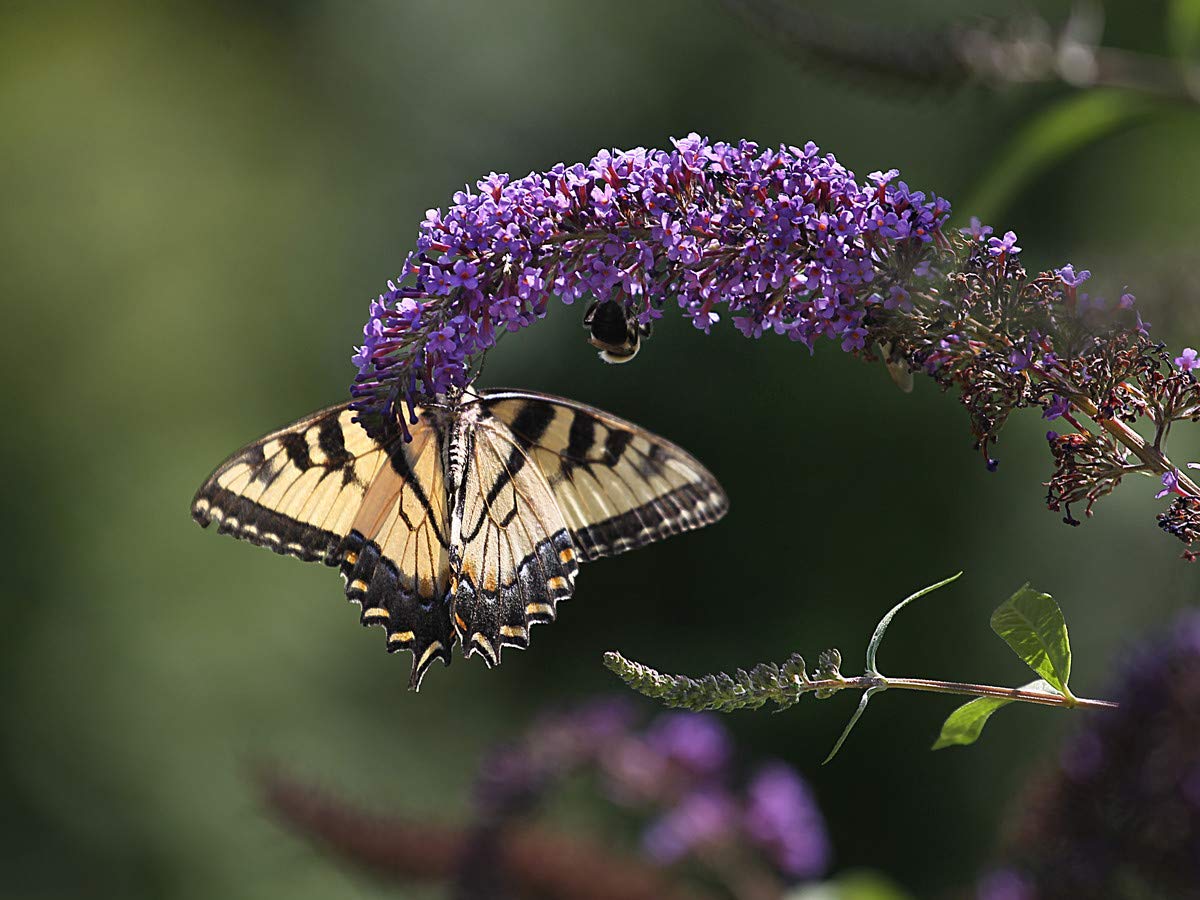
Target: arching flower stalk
788, 241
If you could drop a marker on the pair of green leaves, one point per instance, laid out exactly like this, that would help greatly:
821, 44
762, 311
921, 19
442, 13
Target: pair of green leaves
1032, 624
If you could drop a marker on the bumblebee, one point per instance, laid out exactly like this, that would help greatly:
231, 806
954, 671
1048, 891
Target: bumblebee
614, 331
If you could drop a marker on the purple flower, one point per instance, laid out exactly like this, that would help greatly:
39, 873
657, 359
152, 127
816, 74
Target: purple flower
782, 817
463, 275
977, 230
1188, 360
1019, 360
1005, 246
1069, 276
1058, 407
443, 341
1170, 483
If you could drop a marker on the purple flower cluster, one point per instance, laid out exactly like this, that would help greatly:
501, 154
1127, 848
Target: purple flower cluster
680, 766
678, 771
786, 239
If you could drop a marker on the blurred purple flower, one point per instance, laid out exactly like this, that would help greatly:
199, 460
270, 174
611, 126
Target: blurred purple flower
782, 817
698, 742
1188, 360
977, 229
1005, 884
700, 819
635, 774
1119, 816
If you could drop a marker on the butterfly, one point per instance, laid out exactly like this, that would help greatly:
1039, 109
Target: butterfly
614, 331
474, 529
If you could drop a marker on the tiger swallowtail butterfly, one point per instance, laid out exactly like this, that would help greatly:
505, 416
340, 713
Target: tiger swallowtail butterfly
473, 530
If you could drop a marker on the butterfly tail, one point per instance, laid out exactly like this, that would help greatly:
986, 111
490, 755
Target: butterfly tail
412, 622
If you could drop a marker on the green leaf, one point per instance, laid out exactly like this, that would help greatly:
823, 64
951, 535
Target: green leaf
882, 627
1032, 624
965, 724
1183, 28
862, 705
1048, 139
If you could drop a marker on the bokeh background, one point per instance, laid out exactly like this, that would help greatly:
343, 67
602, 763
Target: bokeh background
199, 200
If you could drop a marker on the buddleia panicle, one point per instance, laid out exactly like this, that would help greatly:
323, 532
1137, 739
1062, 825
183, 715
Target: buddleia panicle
788, 241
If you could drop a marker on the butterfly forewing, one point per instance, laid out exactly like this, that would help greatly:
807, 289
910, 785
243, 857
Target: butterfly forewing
619, 486
298, 489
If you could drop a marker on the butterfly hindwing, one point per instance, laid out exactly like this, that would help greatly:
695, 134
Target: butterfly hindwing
395, 559
518, 560
549, 484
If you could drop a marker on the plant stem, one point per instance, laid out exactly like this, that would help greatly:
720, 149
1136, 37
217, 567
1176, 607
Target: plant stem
1138, 445
1022, 695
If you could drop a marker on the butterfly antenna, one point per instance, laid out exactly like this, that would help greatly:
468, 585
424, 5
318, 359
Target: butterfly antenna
479, 367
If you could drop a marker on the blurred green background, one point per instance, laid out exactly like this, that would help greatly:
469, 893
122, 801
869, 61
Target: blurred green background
199, 201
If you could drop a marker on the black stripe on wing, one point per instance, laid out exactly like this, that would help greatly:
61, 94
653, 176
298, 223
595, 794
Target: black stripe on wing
684, 509
235, 515
636, 487
278, 459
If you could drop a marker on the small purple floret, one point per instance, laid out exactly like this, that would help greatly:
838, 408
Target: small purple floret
1070, 277
1005, 246
1170, 483
1058, 407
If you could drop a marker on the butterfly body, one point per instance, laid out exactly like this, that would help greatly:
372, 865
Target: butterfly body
474, 530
